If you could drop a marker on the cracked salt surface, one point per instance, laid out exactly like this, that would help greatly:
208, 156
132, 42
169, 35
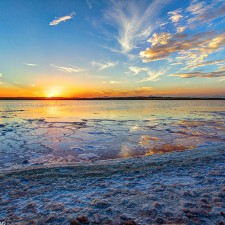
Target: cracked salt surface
67, 132
176, 188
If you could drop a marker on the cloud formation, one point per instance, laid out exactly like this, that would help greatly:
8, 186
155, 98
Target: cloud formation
151, 75
111, 82
200, 74
196, 8
89, 4
159, 39
103, 66
187, 44
136, 70
62, 19
203, 44
175, 15
181, 29
30, 64
67, 69
143, 91
202, 12
219, 62
132, 21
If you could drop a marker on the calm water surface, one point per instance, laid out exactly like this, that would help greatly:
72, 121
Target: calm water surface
67, 132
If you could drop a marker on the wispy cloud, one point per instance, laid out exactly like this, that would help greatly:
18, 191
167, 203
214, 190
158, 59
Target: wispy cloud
89, 3
181, 29
102, 77
62, 19
197, 8
154, 76
151, 75
162, 24
136, 70
175, 15
67, 69
159, 39
30, 64
133, 21
111, 82
202, 12
200, 74
142, 91
219, 62
103, 66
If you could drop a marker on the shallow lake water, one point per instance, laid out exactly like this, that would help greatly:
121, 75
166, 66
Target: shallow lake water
66, 132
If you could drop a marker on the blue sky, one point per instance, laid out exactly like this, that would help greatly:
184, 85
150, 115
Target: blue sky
112, 48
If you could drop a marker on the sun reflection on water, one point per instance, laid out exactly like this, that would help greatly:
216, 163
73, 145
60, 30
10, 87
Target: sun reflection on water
72, 131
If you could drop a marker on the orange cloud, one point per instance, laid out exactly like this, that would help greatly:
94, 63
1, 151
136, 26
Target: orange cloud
175, 15
213, 74
203, 43
160, 39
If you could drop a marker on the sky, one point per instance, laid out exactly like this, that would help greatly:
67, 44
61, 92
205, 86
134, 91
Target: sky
101, 48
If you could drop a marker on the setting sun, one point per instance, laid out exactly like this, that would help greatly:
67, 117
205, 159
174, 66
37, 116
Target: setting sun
54, 92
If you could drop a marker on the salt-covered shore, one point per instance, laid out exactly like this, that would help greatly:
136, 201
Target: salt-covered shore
176, 188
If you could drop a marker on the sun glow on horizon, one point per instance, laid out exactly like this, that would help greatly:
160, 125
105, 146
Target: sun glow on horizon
131, 55
51, 95
54, 92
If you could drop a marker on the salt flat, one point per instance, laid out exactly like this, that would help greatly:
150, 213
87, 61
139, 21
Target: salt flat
176, 188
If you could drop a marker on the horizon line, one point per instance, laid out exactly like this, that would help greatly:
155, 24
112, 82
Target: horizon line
117, 98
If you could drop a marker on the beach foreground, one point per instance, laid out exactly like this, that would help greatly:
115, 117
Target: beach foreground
176, 188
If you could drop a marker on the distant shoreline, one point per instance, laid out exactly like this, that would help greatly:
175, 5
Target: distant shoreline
114, 98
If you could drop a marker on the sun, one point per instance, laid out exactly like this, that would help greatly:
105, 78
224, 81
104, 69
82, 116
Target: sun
52, 93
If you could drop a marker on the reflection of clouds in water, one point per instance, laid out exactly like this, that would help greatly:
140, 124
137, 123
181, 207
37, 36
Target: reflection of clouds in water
32, 135
135, 128
207, 129
127, 150
167, 148
148, 140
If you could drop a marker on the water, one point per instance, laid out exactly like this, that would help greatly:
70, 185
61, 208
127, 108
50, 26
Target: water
67, 132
